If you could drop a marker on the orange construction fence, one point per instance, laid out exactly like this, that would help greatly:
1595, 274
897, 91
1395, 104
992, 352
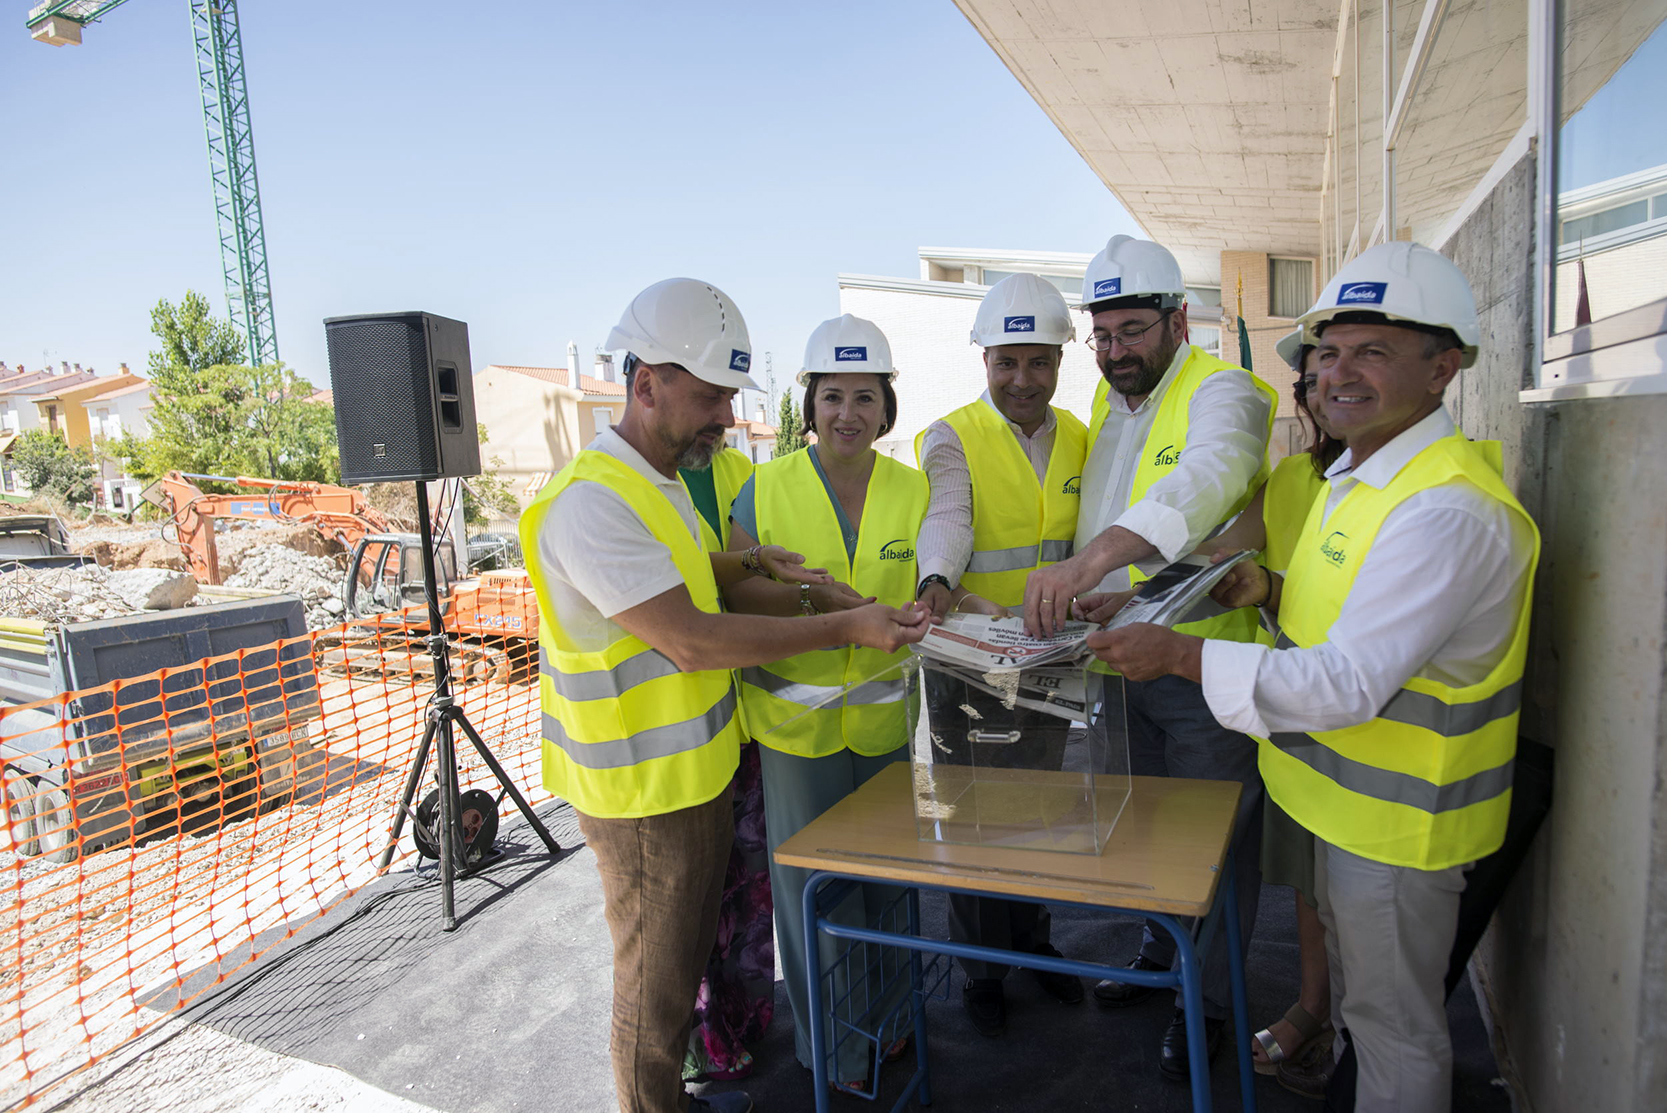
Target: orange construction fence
166, 823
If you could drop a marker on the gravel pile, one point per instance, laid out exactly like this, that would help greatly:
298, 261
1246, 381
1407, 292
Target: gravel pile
316, 579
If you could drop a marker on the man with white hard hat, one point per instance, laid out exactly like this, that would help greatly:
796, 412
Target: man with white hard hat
1005, 471
1177, 447
640, 732
1387, 714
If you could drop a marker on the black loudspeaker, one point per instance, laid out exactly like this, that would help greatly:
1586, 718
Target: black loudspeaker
405, 397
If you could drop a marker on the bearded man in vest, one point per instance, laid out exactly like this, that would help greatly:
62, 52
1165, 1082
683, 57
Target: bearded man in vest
1177, 447
1386, 712
640, 728
1004, 472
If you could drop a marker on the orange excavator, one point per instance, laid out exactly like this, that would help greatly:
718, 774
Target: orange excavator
492, 617
340, 513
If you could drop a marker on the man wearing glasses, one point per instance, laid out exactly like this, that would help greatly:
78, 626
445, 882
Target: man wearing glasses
1177, 446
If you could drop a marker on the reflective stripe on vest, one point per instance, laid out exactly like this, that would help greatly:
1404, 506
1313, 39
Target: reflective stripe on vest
1427, 782
795, 704
1166, 440
626, 734
1018, 523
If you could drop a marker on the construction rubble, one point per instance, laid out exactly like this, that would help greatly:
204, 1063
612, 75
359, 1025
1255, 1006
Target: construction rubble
90, 593
316, 579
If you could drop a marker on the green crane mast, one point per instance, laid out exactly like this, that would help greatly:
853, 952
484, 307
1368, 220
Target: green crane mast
231, 151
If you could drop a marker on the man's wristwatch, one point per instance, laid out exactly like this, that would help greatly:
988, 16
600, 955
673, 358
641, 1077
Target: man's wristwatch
804, 600
932, 579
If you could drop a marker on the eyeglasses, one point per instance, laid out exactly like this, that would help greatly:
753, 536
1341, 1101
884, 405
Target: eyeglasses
1129, 337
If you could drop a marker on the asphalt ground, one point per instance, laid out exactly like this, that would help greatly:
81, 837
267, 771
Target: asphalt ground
510, 1011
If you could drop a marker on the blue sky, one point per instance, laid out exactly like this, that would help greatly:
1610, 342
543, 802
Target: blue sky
523, 168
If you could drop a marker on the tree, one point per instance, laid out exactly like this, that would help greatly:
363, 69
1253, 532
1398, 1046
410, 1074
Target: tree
788, 437
213, 415
47, 463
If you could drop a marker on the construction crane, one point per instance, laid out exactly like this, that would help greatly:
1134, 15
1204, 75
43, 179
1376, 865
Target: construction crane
231, 151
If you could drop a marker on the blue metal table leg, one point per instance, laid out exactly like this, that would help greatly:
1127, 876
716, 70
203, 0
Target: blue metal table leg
1235, 973
1192, 998
813, 967
923, 1093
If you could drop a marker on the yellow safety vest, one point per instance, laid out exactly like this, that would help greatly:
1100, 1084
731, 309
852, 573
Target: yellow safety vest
795, 510
626, 734
1165, 442
1018, 524
1427, 783
1286, 498
730, 469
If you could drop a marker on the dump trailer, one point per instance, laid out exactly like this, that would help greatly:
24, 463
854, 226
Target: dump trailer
119, 761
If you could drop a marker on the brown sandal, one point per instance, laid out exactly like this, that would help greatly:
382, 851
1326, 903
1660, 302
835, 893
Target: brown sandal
1308, 1030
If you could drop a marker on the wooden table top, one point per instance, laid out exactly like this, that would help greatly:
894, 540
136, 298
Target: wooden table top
1164, 855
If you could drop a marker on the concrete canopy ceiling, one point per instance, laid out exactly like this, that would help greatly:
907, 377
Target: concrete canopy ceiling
1206, 118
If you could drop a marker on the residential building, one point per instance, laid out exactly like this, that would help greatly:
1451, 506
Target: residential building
1522, 139
62, 408
118, 410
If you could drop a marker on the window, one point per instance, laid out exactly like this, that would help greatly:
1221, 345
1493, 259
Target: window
603, 416
1603, 201
1290, 287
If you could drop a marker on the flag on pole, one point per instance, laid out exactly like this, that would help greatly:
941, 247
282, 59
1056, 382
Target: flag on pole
1244, 333
1582, 299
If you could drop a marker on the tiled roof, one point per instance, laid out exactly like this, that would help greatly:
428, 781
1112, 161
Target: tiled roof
325, 397
558, 375
758, 430
117, 392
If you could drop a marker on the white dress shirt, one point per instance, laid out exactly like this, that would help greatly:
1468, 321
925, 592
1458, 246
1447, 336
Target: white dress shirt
599, 558
1437, 596
945, 543
1227, 439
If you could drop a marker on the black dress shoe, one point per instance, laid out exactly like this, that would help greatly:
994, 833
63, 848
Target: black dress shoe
1116, 995
1172, 1058
1065, 988
986, 1005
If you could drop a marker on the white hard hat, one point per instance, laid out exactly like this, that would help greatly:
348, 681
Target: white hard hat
847, 345
692, 324
1290, 348
1023, 309
1131, 268
1404, 283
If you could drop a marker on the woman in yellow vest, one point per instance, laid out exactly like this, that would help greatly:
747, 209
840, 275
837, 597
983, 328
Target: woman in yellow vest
738, 992
856, 513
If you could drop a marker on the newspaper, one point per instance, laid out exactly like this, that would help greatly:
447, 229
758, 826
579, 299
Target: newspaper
998, 656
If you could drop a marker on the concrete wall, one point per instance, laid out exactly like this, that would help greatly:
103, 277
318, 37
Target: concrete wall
1576, 961
532, 427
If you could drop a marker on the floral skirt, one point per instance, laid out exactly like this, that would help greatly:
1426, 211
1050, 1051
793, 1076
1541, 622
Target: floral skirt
738, 992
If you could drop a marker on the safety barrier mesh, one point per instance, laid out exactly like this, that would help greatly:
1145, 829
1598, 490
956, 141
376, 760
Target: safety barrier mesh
166, 823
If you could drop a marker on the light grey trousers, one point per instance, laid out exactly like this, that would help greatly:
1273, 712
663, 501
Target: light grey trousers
1389, 932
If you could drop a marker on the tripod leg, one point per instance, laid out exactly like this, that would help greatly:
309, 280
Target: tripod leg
406, 799
486, 755
450, 848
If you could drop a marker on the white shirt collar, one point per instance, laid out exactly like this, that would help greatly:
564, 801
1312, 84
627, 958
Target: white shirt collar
611, 443
1182, 354
1386, 463
1048, 421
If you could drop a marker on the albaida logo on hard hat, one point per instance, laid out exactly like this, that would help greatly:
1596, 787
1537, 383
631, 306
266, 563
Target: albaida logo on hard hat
1166, 457
1018, 324
1362, 293
851, 353
739, 360
1108, 287
1333, 547
1073, 486
899, 549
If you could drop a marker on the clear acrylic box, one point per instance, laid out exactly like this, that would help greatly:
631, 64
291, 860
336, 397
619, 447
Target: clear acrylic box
1004, 758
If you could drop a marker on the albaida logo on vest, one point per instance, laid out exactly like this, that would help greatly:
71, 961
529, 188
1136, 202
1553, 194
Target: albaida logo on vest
899, 549
1073, 486
1333, 547
1166, 457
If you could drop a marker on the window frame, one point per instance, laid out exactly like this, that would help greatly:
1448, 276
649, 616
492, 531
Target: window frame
1313, 284
1622, 354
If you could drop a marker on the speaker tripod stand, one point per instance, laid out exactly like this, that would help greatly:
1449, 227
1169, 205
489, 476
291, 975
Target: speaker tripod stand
445, 714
